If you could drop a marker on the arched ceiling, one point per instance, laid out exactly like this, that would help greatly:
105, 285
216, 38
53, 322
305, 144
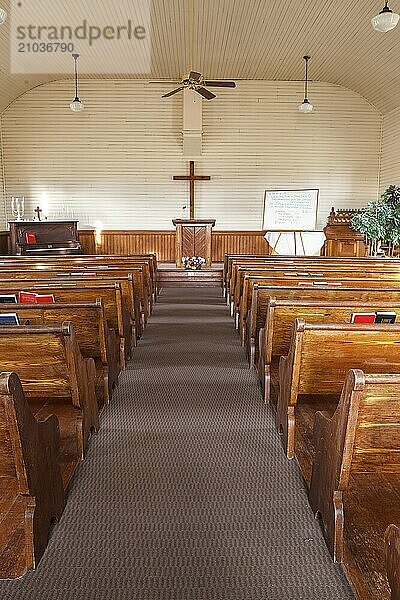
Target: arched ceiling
242, 39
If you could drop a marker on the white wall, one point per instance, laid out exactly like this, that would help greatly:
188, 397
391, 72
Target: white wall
114, 162
390, 170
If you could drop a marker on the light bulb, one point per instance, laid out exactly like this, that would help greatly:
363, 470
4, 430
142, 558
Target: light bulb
385, 21
3, 16
77, 105
306, 106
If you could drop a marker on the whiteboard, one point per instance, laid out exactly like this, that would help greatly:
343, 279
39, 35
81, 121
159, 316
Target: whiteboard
290, 210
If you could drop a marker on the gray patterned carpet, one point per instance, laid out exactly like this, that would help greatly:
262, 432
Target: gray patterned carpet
185, 493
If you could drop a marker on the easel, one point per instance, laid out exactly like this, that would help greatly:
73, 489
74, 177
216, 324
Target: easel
294, 231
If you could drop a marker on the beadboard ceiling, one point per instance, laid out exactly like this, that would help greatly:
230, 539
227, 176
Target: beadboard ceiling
245, 39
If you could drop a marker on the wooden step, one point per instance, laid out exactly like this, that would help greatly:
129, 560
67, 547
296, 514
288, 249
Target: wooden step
173, 277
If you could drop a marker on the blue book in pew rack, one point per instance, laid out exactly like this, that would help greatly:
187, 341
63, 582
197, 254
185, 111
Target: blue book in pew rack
7, 319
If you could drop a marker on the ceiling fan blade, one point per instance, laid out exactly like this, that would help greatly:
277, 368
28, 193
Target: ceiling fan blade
195, 76
205, 93
228, 84
172, 93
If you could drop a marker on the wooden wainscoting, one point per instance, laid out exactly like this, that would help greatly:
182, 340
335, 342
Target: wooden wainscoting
163, 243
160, 242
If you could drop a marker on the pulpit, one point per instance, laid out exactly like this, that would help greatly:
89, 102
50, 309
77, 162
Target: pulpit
193, 238
341, 239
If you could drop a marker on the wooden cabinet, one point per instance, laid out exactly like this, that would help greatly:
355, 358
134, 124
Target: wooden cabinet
193, 238
41, 238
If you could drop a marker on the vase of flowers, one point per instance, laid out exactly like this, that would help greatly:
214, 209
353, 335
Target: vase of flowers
193, 262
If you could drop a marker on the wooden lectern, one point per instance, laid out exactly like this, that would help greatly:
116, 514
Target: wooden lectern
341, 239
193, 238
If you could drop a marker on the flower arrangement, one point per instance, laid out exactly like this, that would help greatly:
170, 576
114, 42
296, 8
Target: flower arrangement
193, 262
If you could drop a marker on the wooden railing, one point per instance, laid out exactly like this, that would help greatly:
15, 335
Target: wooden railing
161, 242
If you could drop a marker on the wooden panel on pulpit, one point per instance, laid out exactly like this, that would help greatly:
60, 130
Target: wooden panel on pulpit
194, 241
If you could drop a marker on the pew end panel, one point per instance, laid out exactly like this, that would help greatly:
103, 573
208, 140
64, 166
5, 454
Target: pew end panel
32, 495
355, 483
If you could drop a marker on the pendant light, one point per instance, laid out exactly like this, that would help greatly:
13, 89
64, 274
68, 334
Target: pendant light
3, 15
386, 20
306, 106
76, 105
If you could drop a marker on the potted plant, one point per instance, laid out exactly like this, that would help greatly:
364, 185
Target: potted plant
379, 221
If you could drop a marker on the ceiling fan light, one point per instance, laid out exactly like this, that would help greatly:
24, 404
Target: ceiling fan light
385, 20
77, 105
3, 16
306, 107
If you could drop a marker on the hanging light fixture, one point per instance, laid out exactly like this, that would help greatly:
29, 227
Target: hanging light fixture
76, 105
306, 106
3, 15
386, 20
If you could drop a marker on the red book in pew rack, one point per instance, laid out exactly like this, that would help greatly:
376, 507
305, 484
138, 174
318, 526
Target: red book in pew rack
43, 298
363, 317
30, 237
27, 297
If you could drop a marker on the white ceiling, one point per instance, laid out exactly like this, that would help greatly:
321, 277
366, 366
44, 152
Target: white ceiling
243, 39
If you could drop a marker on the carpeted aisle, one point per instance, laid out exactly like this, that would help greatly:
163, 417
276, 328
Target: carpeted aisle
185, 493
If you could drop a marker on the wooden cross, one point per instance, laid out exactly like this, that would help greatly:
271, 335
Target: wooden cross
191, 178
38, 211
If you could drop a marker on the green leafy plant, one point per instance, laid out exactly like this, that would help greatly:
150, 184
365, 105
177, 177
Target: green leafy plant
379, 221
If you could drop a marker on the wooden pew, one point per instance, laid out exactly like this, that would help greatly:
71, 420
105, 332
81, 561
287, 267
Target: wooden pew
276, 335
118, 316
333, 283
311, 376
142, 268
355, 484
126, 281
31, 489
328, 279
56, 380
375, 268
93, 335
257, 315
392, 544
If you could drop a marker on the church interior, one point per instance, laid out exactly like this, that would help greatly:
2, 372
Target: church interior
199, 300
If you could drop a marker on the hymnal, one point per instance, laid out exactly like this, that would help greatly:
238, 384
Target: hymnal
27, 297
32, 298
9, 319
8, 299
30, 237
42, 298
384, 316
363, 317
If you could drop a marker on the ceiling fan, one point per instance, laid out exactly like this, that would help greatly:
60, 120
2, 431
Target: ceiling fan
195, 81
